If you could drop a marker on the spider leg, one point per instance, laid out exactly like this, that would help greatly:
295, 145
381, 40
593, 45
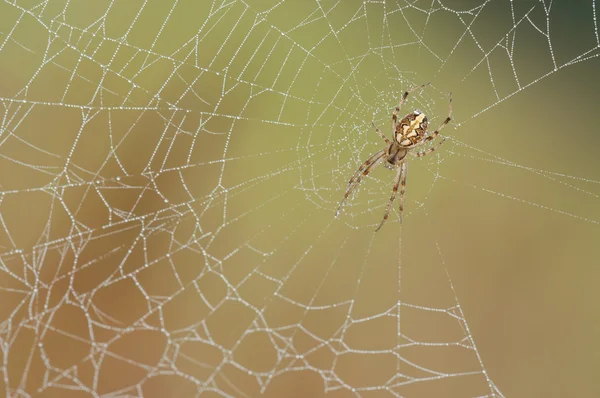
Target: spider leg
444, 123
366, 164
403, 188
353, 184
395, 114
400, 173
381, 134
429, 150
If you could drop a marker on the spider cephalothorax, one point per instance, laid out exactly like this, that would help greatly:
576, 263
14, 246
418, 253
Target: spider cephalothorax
409, 133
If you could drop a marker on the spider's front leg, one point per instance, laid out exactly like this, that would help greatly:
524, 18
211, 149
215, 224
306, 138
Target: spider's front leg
363, 166
362, 171
403, 188
399, 180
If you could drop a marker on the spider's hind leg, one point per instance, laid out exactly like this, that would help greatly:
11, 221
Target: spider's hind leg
436, 132
429, 150
381, 134
444, 123
402, 100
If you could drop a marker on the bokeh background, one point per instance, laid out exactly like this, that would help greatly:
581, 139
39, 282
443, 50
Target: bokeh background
169, 174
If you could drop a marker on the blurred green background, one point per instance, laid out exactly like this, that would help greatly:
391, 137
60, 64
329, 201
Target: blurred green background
170, 172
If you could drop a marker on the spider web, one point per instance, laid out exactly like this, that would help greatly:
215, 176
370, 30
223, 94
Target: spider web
170, 173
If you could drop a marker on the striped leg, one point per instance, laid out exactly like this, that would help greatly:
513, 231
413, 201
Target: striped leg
403, 188
429, 150
364, 166
444, 123
353, 184
395, 114
381, 134
399, 173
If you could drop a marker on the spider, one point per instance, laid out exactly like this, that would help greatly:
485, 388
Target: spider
409, 134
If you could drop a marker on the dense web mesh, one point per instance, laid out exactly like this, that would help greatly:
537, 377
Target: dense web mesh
170, 173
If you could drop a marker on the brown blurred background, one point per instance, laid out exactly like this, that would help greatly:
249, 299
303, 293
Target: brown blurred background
170, 173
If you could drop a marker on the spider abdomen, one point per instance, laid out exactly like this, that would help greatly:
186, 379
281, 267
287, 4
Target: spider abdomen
411, 129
